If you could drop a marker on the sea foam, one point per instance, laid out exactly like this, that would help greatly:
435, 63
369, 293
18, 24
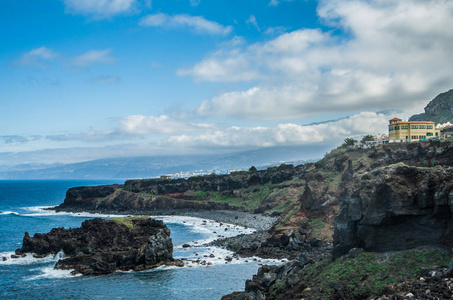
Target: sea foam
29, 259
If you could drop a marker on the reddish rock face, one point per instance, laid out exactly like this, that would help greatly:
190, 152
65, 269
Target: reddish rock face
103, 246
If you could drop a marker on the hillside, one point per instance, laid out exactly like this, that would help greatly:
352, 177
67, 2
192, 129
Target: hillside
391, 197
439, 110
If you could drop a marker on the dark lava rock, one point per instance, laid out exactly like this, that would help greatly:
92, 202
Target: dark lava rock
103, 246
410, 205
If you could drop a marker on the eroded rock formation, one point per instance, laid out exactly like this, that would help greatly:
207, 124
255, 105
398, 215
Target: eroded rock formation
396, 207
104, 246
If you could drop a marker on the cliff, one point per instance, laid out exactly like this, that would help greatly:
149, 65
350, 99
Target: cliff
244, 191
105, 246
396, 207
375, 202
439, 110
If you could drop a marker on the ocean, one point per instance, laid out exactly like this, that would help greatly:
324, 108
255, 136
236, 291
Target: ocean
21, 210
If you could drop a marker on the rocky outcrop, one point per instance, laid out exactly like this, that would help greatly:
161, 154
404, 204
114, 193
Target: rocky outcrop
439, 110
87, 195
396, 207
218, 183
124, 201
104, 246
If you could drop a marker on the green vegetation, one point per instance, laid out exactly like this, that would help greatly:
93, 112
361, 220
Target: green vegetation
349, 142
288, 213
367, 138
318, 225
128, 221
214, 196
253, 169
100, 200
369, 273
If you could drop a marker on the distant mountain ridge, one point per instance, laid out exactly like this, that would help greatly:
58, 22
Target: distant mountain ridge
439, 110
147, 167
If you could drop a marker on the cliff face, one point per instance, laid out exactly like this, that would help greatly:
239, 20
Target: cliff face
439, 110
104, 246
396, 207
245, 191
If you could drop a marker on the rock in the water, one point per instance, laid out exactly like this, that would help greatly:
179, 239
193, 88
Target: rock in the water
104, 246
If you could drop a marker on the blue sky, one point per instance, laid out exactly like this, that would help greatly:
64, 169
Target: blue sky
85, 79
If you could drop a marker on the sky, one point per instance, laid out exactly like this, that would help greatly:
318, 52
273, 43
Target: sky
89, 79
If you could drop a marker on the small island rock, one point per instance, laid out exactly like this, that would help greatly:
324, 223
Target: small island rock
104, 246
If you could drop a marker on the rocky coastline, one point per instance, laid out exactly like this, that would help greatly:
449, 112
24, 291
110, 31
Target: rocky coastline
352, 203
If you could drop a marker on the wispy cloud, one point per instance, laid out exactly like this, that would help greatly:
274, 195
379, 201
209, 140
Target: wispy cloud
100, 8
252, 20
395, 56
139, 125
37, 57
134, 126
94, 57
195, 23
12, 139
195, 2
277, 2
107, 79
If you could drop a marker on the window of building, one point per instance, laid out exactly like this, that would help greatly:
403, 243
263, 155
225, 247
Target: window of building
414, 137
429, 126
404, 127
437, 133
414, 126
397, 128
422, 127
391, 128
429, 134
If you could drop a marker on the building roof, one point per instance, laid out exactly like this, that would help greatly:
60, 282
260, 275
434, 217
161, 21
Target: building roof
414, 122
395, 119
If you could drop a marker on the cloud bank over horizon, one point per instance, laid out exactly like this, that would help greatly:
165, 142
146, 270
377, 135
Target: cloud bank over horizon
166, 77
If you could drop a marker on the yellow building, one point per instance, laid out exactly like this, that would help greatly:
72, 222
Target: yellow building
412, 131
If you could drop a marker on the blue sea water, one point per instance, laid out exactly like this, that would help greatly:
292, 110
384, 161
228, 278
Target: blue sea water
21, 204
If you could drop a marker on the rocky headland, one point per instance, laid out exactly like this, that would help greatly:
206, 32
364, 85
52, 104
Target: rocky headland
104, 246
391, 197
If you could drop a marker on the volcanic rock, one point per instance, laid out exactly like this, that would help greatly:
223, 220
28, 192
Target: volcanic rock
104, 246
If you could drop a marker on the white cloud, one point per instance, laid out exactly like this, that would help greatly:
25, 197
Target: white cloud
288, 134
184, 138
134, 126
252, 20
37, 57
100, 8
94, 57
139, 125
396, 55
195, 23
